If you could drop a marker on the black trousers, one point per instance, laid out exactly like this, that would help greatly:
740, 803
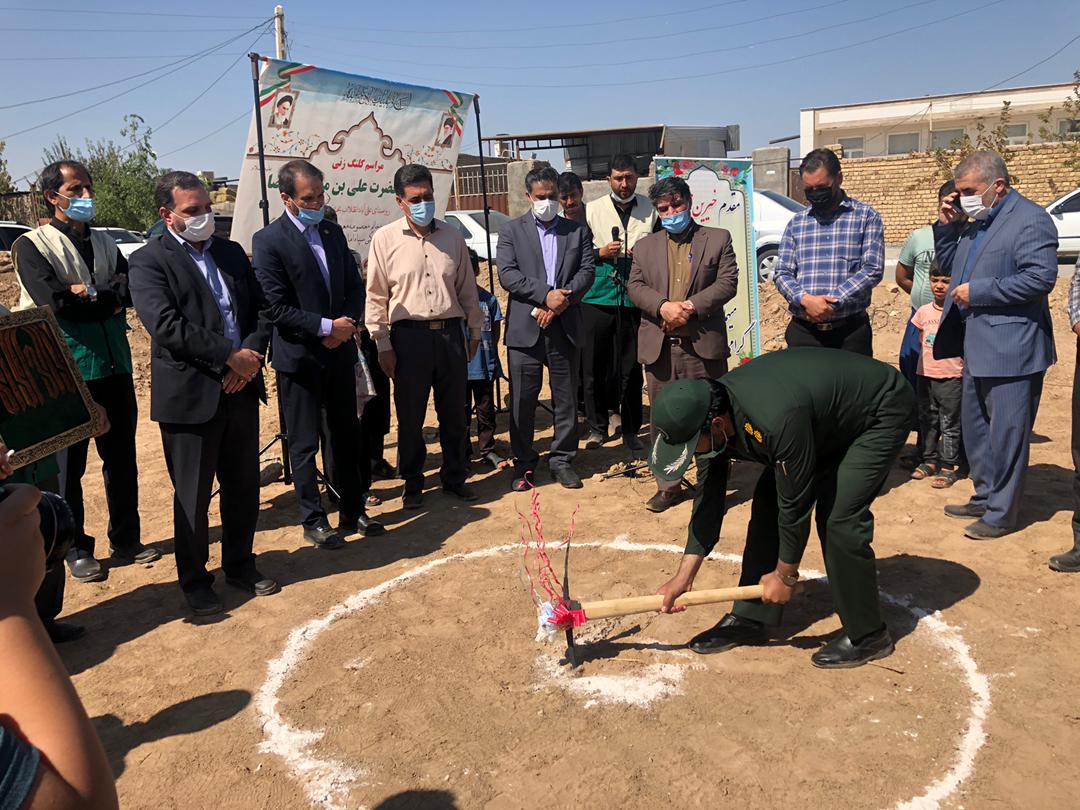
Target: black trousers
480, 396
611, 373
939, 420
562, 359
1076, 440
375, 420
49, 599
853, 335
226, 447
430, 360
116, 394
304, 394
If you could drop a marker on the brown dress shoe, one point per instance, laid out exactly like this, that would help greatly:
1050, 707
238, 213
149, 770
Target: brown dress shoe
664, 500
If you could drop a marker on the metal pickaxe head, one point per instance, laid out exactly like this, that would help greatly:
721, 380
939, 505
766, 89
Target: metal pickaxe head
571, 657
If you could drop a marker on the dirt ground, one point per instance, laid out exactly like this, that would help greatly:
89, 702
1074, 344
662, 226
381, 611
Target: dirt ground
433, 693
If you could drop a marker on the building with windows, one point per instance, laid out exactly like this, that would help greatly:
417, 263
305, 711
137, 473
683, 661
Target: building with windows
910, 125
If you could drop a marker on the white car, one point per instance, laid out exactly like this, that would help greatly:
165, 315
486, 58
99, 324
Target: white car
9, 232
772, 212
1066, 215
471, 225
127, 241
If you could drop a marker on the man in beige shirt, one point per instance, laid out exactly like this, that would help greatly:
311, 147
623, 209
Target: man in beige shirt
421, 296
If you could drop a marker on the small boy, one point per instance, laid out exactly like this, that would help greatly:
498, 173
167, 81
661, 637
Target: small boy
483, 369
938, 390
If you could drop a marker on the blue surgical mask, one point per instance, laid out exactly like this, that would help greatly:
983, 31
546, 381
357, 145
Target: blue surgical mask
422, 213
80, 209
676, 223
310, 216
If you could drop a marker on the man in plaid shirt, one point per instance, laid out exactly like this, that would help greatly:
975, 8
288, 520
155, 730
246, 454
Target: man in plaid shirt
1069, 561
832, 255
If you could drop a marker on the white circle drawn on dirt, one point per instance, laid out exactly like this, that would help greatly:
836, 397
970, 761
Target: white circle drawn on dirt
326, 782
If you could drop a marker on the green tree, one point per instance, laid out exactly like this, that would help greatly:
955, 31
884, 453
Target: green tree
6, 186
124, 175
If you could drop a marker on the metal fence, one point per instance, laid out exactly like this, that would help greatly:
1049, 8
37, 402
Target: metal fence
468, 192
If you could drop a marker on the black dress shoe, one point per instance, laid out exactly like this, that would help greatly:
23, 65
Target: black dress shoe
664, 500
382, 469
964, 511
731, 631
524, 482
62, 632
364, 525
981, 530
840, 653
1068, 562
566, 477
412, 500
253, 582
322, 536
632, 443
462, 491
138, 553
203, 602
84, 567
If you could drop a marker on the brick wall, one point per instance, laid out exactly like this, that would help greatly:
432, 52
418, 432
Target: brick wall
903, 188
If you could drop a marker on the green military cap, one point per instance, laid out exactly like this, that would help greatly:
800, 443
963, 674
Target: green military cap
678, 414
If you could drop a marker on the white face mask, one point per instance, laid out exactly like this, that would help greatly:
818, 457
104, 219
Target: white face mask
974, 206
615, 196
197, 229
545, 210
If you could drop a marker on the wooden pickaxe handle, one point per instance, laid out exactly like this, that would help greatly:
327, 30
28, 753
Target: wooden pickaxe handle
607, 608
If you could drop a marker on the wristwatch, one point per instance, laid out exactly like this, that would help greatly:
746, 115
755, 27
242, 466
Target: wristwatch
91, 292
790, 581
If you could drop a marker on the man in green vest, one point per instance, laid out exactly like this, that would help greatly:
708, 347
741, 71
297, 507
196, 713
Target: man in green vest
828, 427
79, 274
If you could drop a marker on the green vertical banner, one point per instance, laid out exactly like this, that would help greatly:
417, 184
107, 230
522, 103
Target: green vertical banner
723, 192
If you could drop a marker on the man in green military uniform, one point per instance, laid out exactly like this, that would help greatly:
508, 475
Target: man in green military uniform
827, 426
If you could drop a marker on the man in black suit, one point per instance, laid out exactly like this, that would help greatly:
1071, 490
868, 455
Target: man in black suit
315, 299
200, 302
546, 263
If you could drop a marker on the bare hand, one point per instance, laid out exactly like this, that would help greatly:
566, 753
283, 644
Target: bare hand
342, 329
245, 362
818, 307
962, 295
331, 342
79, 290
674, 314
103, 421
611, 249
672, 590
1076, 329
22, 552
558, 300
544, 317
233, 382
947, 214
474, 346
775, 591
388, 362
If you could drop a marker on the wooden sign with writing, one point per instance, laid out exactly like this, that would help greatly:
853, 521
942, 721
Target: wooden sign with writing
44, 403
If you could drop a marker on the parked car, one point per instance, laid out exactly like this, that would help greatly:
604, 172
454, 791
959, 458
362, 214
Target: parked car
9, 232
127, 241
1066, 215
471, 225
772, 212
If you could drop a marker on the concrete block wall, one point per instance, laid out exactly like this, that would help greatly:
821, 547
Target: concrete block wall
903, 188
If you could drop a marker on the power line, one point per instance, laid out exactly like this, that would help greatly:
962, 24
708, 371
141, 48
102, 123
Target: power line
115, 82
623, 40
129, 13
91, 106
91, 57
688, 55
243, 115
82, 30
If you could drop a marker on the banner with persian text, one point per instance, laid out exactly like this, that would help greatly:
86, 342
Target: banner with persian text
723, 197
358, 131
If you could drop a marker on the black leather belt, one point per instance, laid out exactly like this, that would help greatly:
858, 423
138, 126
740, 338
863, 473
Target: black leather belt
678, 340
829, 326
443, 324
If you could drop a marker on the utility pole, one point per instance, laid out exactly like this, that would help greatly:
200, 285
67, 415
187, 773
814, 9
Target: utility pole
279, 31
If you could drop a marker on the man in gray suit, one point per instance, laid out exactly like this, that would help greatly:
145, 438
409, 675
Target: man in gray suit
1004, 262
546, 264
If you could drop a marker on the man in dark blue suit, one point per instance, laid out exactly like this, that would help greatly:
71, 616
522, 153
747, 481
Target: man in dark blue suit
315, 299
546, 264
1004, 263
199, 300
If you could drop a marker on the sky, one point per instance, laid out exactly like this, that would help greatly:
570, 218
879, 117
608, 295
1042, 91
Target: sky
687, 62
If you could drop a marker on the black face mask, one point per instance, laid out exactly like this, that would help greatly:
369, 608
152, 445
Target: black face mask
821, 197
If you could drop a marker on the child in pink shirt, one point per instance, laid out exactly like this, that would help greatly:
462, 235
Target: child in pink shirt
938, 388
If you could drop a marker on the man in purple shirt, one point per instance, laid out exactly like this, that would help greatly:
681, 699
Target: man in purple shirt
315, 299
546, 264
